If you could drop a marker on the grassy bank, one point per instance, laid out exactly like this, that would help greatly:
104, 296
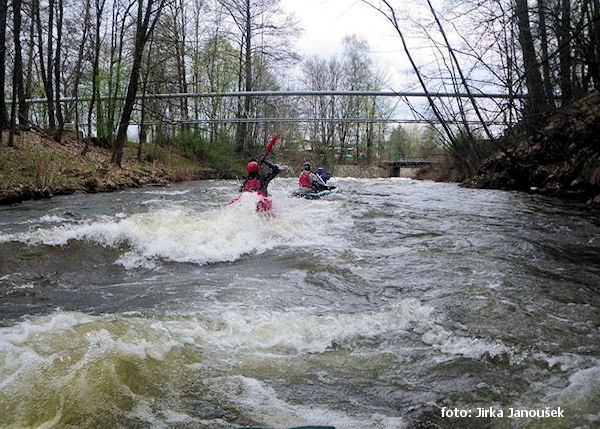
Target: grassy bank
39, 167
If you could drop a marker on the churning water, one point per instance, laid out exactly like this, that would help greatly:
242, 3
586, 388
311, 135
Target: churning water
375, 308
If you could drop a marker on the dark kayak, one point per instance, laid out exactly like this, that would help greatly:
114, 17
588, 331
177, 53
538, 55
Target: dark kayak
315, 195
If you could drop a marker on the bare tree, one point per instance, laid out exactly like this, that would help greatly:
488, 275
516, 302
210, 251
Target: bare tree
4, 123
146, 20
57, 70
263, 32
17, 81
533, 78
564, 40
99, 8
460, 72
543, 30
78, 65
389, 13
46, 71
29, 82
180, 49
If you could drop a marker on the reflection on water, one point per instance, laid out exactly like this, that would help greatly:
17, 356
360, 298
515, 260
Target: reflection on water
166, 307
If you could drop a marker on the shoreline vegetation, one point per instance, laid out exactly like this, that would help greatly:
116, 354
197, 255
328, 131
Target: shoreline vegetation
39, 167
203, 109
558, 157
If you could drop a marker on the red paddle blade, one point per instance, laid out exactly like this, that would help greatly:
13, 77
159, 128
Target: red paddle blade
271, 144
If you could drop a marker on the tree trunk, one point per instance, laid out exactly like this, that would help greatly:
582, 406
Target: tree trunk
181, 63
95, 66
4, 122
142, 136
29, 79
143, 31
57, 67
46, 74
17, 81
564, 53
50, 88
78, 66
242, 131
535, 88
595, 43
111, 101
545, 57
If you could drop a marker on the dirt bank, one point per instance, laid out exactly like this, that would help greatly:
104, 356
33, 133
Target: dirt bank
559, 158
38, 167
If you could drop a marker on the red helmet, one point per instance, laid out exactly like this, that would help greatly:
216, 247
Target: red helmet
252, 167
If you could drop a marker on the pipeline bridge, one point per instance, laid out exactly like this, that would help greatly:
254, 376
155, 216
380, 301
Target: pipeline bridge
406, 167
417, 118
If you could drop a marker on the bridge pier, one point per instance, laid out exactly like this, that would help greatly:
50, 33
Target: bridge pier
405, 167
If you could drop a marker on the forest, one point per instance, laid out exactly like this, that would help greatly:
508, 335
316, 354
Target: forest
158, 69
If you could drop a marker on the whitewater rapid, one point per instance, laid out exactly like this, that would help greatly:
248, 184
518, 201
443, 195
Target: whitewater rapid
168, 307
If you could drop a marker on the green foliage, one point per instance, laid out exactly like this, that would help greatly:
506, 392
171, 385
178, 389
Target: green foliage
219, 155
413, 142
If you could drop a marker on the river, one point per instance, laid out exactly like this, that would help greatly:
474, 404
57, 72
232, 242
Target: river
374, 308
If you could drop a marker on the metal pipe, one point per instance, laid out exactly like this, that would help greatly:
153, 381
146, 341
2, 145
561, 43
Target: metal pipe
326, 120
266, 94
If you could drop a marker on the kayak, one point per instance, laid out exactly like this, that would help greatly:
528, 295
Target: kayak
315, 195
263, 205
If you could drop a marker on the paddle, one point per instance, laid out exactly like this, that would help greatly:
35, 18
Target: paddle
270, 147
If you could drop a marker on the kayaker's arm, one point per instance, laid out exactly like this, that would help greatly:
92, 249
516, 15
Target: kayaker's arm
275, 170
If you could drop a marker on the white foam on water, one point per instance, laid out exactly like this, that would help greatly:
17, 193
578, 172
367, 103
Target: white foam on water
567, 361
583, 384
180, 234
165, 192
229, 336
52, 219
262, 403
299, 331
40, 220
24, 286
469, 347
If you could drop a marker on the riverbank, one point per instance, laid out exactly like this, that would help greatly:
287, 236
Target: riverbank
39, 167
559, 157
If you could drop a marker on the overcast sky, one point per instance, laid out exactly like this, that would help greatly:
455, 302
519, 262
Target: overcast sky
326, 22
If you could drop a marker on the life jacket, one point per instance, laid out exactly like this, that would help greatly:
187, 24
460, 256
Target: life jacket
304, 180
254, 185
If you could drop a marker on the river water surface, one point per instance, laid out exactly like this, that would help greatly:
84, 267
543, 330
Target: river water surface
375, 308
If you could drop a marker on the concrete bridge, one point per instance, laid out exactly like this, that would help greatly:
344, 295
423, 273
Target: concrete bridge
406, 167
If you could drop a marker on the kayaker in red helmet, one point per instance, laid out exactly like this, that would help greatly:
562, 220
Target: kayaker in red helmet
259, 183
309, 181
